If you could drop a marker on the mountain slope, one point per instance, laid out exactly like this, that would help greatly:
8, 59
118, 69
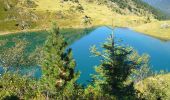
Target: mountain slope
163, 5
38, 14
138, 7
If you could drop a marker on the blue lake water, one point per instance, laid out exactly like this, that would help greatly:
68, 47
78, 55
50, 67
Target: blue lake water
158, 50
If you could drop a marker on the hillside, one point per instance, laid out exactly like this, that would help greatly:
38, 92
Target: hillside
17, 15
158, 29
163, 5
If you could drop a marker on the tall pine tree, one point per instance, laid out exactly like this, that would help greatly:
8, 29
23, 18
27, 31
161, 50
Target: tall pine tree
117, 65
59, 76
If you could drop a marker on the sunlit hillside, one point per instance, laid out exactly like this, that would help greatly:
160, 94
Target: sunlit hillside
40, 13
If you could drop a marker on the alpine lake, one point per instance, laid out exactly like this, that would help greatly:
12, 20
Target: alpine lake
158, 50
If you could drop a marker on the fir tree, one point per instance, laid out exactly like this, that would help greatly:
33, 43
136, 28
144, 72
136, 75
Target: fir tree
59, 76
115, 69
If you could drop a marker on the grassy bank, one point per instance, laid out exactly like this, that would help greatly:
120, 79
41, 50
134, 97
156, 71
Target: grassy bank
158, 29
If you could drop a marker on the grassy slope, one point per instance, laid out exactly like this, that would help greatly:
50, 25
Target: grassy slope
101, 15
8, 25
155, 29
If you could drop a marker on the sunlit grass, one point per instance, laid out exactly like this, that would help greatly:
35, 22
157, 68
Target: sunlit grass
100, 14
155, 29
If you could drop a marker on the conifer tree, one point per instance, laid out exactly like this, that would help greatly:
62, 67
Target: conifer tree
59, 76
115, 68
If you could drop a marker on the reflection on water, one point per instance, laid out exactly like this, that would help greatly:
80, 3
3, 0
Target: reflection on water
158, 50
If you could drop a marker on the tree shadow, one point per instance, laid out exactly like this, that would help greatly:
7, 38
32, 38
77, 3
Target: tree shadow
12, 97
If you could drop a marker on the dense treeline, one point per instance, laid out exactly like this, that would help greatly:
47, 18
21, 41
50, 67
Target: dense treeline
120, 69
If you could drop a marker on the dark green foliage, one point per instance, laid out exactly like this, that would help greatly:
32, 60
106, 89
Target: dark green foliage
13, 97
59, 76
117, 65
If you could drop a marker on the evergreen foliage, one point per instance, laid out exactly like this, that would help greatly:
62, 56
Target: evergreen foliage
59, 76
117, 65
13, 86
121, 68
153, 88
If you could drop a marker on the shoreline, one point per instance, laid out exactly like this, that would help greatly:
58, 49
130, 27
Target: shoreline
157, 37
43, 29
109, 26
21, 31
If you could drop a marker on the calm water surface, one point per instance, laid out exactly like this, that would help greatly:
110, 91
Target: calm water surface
158, 50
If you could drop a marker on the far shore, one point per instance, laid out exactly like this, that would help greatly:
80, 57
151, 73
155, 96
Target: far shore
38, 29
155, 31
20, 31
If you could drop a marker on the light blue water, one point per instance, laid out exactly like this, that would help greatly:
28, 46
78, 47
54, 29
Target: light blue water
158, 50
81, 52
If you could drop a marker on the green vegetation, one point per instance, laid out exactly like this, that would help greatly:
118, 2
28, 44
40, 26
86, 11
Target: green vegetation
59, 76
15, 87
58, 73
117, 65
122, 74
114, 79
155, 87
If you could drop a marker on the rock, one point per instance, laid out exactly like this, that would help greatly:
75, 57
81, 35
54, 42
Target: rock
165, 25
